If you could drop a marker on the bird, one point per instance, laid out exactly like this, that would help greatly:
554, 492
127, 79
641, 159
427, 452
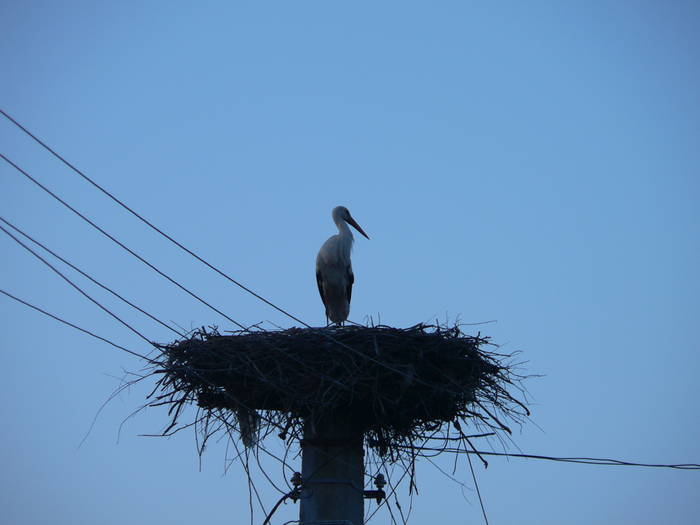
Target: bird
333, 268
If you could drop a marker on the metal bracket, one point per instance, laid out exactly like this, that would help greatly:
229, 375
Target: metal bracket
378, 494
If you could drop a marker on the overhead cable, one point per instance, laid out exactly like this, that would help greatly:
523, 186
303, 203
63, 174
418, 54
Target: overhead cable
147, 222
88, 276
122, 245
580, 460
8, 294
84, 293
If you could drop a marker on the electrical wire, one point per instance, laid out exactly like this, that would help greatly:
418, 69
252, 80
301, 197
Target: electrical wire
122, 245
84, 293
88, 332
85, 274
292, 494
150, 224
579, 460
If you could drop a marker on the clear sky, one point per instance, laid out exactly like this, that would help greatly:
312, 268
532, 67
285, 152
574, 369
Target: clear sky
534, 163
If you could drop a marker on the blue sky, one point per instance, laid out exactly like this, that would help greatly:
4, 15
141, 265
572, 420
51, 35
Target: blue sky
531, 163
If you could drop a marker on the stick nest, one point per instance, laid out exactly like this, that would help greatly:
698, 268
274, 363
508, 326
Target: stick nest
397, 387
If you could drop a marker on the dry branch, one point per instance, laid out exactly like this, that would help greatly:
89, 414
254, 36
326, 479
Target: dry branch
396, 386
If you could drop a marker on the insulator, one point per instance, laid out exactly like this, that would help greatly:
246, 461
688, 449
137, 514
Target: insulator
379, 481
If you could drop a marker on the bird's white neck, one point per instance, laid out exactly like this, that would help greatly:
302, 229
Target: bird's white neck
343, 228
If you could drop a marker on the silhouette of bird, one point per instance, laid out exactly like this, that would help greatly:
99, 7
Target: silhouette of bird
333, 268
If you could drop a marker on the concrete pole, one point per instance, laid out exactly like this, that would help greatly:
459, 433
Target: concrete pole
332, 472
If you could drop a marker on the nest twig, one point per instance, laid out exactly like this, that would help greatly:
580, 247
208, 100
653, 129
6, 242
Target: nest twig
398, 387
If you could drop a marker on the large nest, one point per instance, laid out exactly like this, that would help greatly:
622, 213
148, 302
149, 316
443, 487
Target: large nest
398, 387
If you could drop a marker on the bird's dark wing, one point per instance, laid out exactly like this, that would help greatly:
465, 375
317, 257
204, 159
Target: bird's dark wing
351, 280
320, 286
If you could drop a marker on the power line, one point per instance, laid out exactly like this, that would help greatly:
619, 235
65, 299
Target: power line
77, 327
85, 294
122, 245
29, 237
580, 460
150, 224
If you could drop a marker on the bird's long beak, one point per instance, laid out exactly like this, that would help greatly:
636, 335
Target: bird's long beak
352, 223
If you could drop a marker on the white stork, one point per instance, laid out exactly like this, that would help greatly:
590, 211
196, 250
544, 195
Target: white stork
333, 269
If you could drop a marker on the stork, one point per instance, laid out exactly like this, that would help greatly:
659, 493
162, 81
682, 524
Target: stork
333, 268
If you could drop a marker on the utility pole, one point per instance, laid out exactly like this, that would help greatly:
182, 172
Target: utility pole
332, 470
